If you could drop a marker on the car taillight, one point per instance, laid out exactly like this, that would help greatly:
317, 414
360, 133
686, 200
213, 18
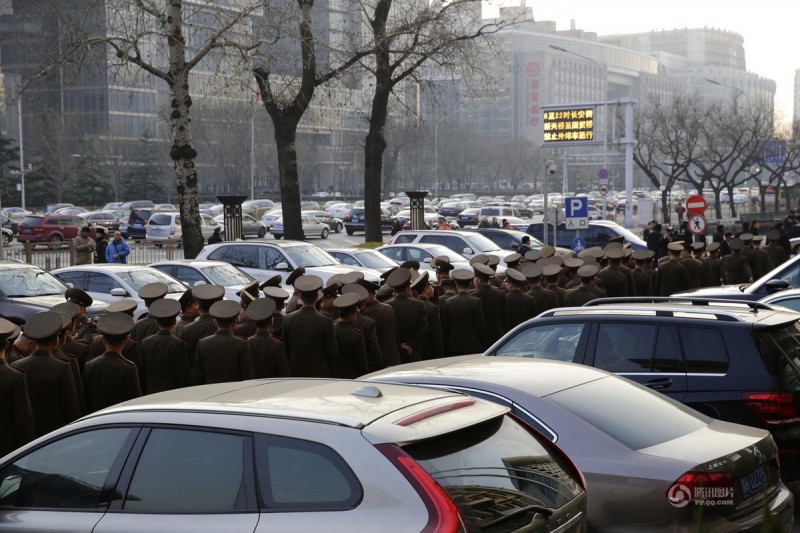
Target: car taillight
347, 218
694, 483
443, 514
773, 408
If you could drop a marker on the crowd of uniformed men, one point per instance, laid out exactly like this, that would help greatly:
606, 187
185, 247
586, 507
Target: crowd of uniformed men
61, 365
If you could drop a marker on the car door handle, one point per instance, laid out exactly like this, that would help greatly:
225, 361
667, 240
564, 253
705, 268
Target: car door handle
661, 383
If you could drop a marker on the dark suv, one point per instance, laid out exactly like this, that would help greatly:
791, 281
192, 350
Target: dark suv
137, 224
354, 220
733, 360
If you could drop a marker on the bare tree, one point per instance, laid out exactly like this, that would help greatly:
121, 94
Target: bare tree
460, 157
517, 160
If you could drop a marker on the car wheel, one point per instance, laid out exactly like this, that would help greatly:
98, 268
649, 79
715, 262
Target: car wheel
349, 231
6, 239
325, 233
262, 232
56, 238
278, 236
339, 227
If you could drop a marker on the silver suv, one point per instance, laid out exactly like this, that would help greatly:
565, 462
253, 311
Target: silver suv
466, 243
293, 455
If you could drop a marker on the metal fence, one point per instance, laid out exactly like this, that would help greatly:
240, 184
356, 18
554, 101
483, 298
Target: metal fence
50, 256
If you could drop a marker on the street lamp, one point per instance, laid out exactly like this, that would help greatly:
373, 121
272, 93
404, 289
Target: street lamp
21, 151
436, 151
731, 87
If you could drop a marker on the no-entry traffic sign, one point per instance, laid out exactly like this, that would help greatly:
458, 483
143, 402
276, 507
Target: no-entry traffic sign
696, 204
603, 189
697, 224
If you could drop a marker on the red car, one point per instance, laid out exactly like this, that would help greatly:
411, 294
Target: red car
49, 228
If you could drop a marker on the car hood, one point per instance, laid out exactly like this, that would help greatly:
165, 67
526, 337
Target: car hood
725, 291
326, 272
36, 304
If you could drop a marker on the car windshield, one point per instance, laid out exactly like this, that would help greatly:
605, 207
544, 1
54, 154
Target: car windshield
309, 256
635, 416
481, 243
227, 275
375, 260
141, 277
437, 249
21, 282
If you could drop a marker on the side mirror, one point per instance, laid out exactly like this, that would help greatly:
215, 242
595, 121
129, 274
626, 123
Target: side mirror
776, 285
467, 251
282, 266
119, 291
427, 260
198, 283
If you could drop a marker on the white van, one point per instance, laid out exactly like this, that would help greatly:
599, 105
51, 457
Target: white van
167, 226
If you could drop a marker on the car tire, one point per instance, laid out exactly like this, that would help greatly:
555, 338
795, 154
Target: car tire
339, 227
325, 233
349, 231
277, 236
6, 240
262, 232
56, 238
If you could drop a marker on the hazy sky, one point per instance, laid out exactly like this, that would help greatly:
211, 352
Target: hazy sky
769, 28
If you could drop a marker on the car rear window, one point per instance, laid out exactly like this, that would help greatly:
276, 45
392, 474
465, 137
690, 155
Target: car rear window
139, 216
780, 351
632, 414
493, 466
160, 219
32, 221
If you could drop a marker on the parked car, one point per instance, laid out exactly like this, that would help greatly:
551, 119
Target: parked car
49, 228
70, 211
363, 257
8, 236
354, 220
136, 226
424, 253
511, 240
334, 224
102, 218
598, 234
256, 208
167, 226
637, 449
50, 208
452, 209
113, 282
27, 289
138, 204
782, 277
749, 377
193, 272
466, 243
270, 217
468, 217
250, 226
270, 456
15, 213
339, 209
264, 259
311, 228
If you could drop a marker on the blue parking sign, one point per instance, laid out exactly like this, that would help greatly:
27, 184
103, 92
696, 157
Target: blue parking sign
578, 245
576, 207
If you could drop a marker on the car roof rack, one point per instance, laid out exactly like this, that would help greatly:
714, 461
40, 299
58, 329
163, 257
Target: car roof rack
698, 301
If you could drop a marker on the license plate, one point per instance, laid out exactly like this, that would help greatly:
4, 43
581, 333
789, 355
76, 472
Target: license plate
136, 226
355, 219
754, 481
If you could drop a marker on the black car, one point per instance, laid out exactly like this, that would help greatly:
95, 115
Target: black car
354, 220
136, 228
735, 361
452, 209
469, 217
598, 233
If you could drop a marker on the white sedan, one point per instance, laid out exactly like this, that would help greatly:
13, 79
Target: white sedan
339, 210
311, 228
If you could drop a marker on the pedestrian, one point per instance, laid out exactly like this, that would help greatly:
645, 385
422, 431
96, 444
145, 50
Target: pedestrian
484, 223
410, 314
680, 210
51, 385
215, 237
673, 277
396, 227
506, 225
493, 303
433, 345
110, 378
352, 360
308, 336
190, 310
163, 361
267, 353
735, 266
203, 326
521, 306
84, 247
525, 246
443, 225
146, 325
495, 223
117, 250
586, 291
101, 243
245, 328
222, 356
385, 326
16, 413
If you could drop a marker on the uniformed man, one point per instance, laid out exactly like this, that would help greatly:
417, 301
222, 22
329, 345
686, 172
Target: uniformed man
760, 262
521, 306
131, 349
545, 300
190, 310
203, 326
512, 260
673, 277
68, 358
85, 328
222, 357
714, 265
294, 302
586, 292
777, 255
329, 294
644, 281
22, 347
570, 273
410, 315
16, 413
352, 361
163, 361
747, 238
385, 326
279, 297
447, 290
110, 378
492, 262
493, 303
735, 267
51, 387
308, 336
552, 275
433, 345
266, 352
463, 325
693, 265
610, 278
366, 325
247, 294
146, 326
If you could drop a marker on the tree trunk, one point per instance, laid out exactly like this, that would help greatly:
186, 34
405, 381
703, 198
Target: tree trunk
373, 158
285, 137
718, 206
664, 207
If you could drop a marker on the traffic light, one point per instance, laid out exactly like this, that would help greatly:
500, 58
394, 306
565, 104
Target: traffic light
755, 168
